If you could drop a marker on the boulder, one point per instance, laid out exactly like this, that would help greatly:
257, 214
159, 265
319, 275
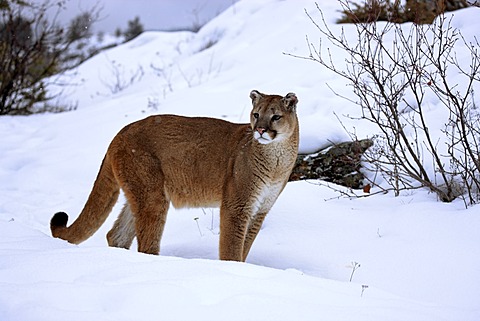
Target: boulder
339, 164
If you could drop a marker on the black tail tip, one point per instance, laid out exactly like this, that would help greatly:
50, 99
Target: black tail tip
60, 219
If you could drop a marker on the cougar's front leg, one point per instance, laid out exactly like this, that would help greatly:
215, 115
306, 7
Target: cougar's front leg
233, 229
252, 232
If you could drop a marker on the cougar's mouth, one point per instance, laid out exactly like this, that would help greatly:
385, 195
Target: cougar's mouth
263, 138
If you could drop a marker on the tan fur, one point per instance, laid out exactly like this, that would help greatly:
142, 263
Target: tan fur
192, 162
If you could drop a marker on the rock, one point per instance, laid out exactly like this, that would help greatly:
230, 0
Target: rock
339, 164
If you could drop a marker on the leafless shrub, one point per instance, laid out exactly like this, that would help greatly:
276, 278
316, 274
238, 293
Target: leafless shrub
120, 78
395, 82
192, 78
165, 73
33, 48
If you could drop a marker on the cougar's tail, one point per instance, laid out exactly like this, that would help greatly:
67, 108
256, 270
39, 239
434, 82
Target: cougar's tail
99, 204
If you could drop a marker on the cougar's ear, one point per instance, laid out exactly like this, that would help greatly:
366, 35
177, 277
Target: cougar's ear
255, 95
290, 101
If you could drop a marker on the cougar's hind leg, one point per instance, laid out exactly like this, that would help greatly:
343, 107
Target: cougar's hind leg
150, 218
123, 231
144, 186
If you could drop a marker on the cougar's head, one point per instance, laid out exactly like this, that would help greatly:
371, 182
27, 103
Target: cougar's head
273, 117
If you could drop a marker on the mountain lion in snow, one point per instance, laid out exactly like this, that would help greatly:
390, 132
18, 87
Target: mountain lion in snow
192, 162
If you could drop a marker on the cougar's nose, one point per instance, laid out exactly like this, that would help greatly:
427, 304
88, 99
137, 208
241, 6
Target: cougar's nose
261, 130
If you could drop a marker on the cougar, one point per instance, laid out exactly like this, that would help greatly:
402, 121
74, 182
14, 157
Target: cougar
192, 162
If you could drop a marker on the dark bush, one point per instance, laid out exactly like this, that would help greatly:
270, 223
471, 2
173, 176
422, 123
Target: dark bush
135, 27
418, 11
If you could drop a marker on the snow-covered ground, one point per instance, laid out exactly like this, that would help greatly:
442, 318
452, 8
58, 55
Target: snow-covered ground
414, 257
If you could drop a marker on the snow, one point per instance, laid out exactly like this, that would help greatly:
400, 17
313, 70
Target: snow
419, 258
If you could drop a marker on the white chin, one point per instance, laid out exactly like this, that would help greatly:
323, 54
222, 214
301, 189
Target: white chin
264, 141
261, 139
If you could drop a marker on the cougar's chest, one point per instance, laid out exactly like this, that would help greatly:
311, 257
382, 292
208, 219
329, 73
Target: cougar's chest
276, 163
265, 196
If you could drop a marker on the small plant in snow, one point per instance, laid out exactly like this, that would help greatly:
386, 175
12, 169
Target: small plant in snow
355, 266
153, 103
165, 73
364, 286
119, 79
198, 226
212, 215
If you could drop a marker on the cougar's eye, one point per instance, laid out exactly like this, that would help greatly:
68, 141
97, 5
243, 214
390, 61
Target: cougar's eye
255, 115
276, 117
